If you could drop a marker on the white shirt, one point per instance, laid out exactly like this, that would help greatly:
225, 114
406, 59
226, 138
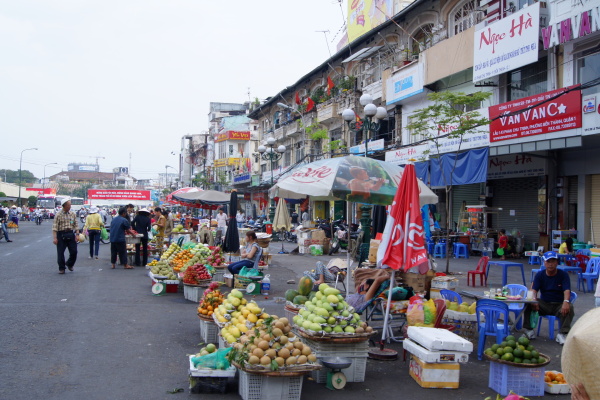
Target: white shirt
240, 217
221, 219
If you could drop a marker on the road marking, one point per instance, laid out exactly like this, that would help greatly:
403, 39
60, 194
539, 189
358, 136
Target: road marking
8, 254
26, 245
39, 240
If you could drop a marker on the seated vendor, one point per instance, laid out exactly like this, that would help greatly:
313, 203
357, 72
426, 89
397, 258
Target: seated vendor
250, 255
323, 274
365, 292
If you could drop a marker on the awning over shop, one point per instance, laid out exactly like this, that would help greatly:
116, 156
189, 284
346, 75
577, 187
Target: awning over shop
471, 167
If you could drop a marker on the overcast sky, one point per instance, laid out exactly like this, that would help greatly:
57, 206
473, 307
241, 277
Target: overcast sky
82, 78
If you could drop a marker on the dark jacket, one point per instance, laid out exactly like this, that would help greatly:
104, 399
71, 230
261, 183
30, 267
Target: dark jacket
142, 224
118, 226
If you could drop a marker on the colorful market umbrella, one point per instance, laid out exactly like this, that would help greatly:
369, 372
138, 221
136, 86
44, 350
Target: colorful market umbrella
403, 245
207, 199
170, 198
351, 178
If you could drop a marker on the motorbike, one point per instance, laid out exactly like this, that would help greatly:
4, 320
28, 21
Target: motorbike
341, 237
38, 219
257, 226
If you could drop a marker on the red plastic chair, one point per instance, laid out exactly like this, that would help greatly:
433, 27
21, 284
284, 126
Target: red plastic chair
582, 261
440, 309
481, 268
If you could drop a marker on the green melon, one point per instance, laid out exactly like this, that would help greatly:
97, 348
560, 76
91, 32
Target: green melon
300, 300
305, 286
290, 294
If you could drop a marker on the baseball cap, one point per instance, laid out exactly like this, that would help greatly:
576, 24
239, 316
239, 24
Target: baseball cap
549, 255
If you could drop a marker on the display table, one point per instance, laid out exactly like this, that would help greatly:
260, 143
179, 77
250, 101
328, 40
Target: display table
505, 265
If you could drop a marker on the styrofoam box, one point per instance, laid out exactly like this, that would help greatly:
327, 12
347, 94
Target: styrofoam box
209, 331
227, 373
260, 387
434, 356
439, 339
193, 293
557, 388
434, 375
444, 282
460, 316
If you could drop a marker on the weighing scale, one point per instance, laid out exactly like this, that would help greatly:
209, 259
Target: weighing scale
254, 286
335, 377
159, 287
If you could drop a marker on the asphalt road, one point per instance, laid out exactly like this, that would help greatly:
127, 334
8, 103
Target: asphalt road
98, 333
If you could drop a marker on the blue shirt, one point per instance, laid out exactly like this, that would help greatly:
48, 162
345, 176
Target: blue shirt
117, 229
552, 288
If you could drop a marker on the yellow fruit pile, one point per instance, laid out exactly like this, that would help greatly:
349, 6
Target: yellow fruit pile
180, 259
553, 377
239, 316
462, 307
273, 346
153, 263
12, 225
210, 301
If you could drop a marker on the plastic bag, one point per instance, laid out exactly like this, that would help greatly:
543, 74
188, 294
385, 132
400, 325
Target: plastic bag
104, 234
245, 271
429, 312
399, 293
316, 250
216, 360
534, 317
415, 314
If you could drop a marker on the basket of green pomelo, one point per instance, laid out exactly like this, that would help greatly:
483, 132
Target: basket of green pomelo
516, 352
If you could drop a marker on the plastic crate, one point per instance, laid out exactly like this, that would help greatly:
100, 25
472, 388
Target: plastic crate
218, 276
354, 373
209, 331
325, 349
208, 385
524, 381
222, 342
260, 387
193, 293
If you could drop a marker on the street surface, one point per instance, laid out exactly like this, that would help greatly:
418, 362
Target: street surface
98, 333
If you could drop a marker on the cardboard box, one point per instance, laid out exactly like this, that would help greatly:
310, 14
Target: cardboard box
303, 250
304, 242
434, 375
444, 282
419, 283
303, 235
373, 248
318, 234
228, 280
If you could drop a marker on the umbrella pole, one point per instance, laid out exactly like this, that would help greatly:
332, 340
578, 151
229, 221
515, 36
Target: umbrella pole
387, 309
282, 249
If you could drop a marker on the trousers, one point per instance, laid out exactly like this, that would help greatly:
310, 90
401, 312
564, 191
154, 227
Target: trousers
66, 241
120, 249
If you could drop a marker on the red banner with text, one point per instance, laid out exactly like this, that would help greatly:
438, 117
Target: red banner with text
539, 114
118, 194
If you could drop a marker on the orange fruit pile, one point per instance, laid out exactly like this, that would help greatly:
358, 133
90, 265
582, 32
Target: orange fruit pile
554, 377
210, 302
180, 259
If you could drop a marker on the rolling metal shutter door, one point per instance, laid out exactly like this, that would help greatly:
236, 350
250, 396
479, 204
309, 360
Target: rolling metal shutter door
467, 193
572, 190
520, 195
595, 209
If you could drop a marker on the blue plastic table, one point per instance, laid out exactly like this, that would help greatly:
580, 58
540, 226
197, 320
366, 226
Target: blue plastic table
505, 265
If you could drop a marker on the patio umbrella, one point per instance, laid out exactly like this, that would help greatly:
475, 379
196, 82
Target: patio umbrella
402, 246
232, 239
170, 199
281, 220
350, 178
208, 199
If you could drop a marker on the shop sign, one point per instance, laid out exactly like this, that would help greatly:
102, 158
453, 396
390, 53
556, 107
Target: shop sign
118, 194
41, 191
242, 178
232, 135
540, 114
405, 83
402, 156
515, 166
580, 19
223, 162
375, 145
591, 115
507, 44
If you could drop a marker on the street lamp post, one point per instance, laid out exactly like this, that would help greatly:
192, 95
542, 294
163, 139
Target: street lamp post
167, 174
369, 125
20, 167
272, 154
44, 180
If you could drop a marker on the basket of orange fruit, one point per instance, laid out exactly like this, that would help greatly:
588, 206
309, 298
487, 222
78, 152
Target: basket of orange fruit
178, 261
554, 382
211, 299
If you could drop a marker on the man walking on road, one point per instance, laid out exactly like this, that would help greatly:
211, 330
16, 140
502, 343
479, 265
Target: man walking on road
3, 224
118, 244
66, 235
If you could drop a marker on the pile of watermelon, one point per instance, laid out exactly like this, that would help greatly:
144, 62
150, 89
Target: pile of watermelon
300, 296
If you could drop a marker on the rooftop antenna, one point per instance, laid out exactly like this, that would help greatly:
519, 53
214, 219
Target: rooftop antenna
326, 42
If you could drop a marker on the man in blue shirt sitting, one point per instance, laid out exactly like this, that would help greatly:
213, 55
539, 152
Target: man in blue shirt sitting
555, 287
118, 245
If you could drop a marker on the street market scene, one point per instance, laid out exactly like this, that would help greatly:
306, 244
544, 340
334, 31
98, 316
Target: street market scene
417, 216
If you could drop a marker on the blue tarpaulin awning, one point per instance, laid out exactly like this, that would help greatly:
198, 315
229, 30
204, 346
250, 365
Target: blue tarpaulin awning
471, 167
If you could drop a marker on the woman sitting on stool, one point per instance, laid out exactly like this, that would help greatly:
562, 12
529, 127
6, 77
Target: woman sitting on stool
250, 255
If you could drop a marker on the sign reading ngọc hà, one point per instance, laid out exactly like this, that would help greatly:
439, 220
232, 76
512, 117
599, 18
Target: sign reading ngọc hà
536, 115
515, 166
507, 44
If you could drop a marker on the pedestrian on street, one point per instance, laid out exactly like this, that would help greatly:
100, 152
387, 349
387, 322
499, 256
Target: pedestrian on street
13, 214
141, 223
222, 222
160, 223
240, 218
294, 219
118, 246
3, 224
305, 217
93, 225
169, 224
65, 232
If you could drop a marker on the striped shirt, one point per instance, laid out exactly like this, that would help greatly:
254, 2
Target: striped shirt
65, 221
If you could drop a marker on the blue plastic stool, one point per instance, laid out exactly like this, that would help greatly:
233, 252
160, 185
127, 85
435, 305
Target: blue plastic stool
461, 250
534, 260
552, 319
440, 250
430, 247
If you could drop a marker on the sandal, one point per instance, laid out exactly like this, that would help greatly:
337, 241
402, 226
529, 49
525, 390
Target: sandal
113, 267
129, 267
62, 271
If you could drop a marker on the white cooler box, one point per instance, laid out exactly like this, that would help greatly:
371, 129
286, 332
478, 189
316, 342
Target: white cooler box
438, 356
439, 339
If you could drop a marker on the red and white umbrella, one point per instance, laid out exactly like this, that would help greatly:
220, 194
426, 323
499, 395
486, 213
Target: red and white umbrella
403, 243
170, 198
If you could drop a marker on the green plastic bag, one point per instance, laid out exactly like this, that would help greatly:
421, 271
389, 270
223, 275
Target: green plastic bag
104, 234
245, 271
534, 317
216, 360
500, 251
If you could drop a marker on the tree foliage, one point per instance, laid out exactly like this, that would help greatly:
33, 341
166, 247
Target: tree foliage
13, 176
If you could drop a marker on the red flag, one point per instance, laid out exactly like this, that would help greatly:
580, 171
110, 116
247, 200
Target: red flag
298, 99
248, 165
403, 244
310, 104
330, 85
